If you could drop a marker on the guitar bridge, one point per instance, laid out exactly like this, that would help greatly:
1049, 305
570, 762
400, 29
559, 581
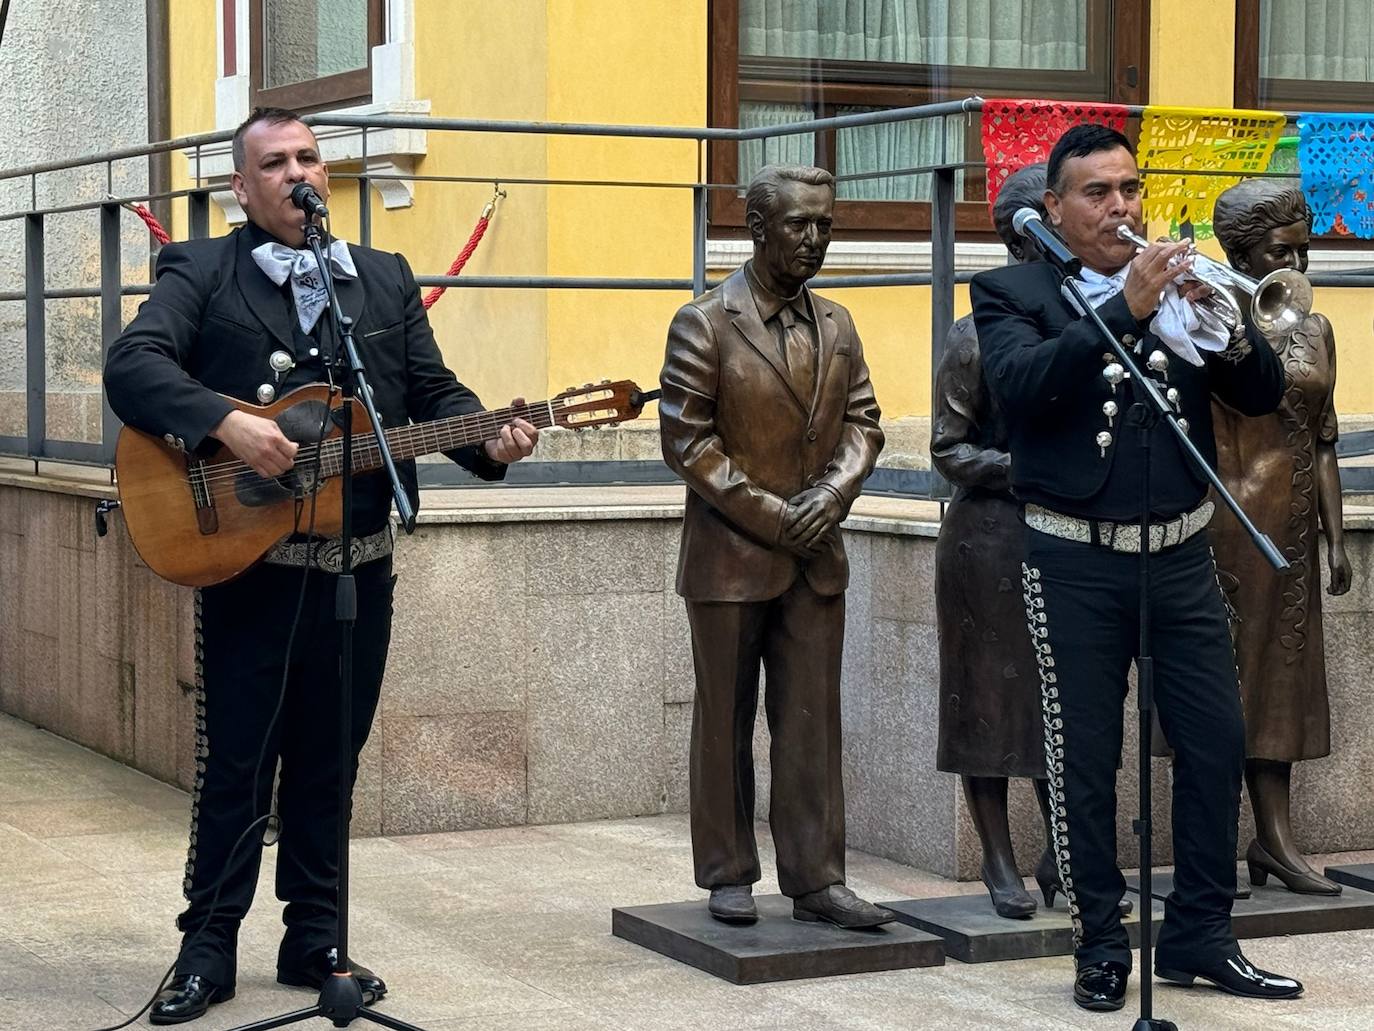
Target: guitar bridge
207, 519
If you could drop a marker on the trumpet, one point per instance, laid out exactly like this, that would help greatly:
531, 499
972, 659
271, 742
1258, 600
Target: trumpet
1277, 303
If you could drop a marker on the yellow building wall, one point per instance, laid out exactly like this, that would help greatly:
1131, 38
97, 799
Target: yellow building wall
641, 64
192, 63
1191, 48
493, 66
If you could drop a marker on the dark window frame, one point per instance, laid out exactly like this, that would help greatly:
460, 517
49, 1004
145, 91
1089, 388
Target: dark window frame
1286, 94
1122, 72
345, 88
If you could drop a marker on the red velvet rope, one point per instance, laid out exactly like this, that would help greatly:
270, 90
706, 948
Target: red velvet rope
154, 226
478, 231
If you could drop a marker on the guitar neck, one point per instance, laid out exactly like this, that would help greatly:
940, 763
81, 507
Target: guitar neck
427, 438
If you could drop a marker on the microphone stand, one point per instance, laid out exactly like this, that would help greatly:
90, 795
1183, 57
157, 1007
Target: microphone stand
341, 999
1145, 415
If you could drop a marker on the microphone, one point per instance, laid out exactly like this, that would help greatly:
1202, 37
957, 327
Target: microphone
303, 195
1027, 223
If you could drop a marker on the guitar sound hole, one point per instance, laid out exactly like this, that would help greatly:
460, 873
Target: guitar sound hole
302, 423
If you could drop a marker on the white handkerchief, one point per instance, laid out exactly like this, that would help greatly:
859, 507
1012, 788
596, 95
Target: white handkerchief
1184, 328
279, 261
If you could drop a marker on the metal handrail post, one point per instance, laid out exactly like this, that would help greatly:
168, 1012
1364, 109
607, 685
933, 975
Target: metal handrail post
364, 199
111, 318
941, 291
35, 337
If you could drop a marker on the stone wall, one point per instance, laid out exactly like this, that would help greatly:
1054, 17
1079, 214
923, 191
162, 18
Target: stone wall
75, 80
541, 672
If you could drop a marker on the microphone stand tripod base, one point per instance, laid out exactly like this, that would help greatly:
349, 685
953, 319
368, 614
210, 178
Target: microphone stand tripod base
341, 999
1154, 1025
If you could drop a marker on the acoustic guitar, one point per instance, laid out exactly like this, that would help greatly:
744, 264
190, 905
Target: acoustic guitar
199, 520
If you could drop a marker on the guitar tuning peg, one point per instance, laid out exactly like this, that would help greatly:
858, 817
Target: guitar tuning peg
605, 383
586, 386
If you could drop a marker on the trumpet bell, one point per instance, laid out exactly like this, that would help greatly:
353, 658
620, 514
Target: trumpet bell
1281, 300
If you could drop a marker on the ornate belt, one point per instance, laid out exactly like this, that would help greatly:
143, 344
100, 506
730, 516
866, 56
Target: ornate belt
328, 551
1119, 536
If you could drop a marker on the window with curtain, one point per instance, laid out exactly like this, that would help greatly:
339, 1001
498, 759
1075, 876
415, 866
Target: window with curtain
309, 54
780, 61
1292, 54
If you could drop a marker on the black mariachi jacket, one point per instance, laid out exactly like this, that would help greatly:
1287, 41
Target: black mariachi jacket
214, 318
1044, 364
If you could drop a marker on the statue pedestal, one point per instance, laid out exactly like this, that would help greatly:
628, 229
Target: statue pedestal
1272, 911
974, 933
1360, 875
776, 948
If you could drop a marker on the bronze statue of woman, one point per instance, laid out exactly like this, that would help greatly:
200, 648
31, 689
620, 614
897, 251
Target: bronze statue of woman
1282, 469
990, 719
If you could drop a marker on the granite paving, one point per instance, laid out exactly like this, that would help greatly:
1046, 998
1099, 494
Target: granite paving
509, 929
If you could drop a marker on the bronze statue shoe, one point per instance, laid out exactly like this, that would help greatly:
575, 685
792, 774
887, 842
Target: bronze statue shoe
1047, 876
1011, 901
841, 907
733, 904
1261, 864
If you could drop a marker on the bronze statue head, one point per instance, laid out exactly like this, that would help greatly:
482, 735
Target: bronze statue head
1263, 225
1024, 188
789, 210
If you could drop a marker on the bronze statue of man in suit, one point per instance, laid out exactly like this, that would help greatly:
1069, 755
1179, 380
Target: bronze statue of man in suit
769, 417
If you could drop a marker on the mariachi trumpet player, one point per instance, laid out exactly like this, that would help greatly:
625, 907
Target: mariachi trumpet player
1076, 463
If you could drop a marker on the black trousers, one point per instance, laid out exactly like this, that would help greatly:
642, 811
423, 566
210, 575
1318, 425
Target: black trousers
1083, 604
243, 628
798, 638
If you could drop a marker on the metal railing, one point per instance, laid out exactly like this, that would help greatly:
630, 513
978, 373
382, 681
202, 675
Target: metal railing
35, 444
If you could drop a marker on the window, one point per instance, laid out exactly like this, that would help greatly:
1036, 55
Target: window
1295, 54
311, 54
778, 61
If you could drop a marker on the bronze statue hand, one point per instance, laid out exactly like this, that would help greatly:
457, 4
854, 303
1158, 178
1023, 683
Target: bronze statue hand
810, 515
1340, 570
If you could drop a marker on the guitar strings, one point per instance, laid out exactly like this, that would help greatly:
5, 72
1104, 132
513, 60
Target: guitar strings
221, 470
214, 474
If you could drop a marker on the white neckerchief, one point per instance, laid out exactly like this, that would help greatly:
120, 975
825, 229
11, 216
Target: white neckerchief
279, 261
1185, 328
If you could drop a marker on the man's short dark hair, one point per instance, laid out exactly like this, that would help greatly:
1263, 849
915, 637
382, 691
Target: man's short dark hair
270, 115
1079, 142
763, 188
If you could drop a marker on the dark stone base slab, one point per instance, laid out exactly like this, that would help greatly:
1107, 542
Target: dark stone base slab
777, 948
1272, 911
1360, 875
974, 933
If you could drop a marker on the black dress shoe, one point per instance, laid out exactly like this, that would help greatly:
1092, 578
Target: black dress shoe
1234, 974
733, 904
320, 968
187, 997
1101, 986
841, 907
